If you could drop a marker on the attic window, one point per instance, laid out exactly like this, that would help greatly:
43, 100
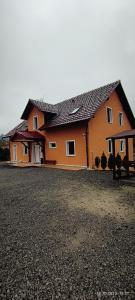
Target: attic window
35, 122
74, 111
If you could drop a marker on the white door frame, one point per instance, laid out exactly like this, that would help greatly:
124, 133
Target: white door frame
36, 156
14, 152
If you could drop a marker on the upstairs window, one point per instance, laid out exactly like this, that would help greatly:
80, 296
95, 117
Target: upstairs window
122, 145
120, 118
109, 115
35, 122
52, 145
110, 146
70, 148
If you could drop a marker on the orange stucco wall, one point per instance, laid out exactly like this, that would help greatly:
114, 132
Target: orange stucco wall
35, 112
60, 136
19, 151
99, 129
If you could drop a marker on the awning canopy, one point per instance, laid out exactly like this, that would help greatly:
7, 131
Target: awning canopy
27, 136
123, 134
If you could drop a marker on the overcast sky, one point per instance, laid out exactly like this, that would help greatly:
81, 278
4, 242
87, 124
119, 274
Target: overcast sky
56, 49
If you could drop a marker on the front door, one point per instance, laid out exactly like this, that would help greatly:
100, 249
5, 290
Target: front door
35, 153
14, 153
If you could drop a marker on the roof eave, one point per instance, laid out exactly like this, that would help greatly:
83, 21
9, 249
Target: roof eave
27, 110
125, 104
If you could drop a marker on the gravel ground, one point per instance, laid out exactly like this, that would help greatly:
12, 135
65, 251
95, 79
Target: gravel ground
65, 235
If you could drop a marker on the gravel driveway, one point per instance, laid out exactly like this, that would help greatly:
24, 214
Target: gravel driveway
65, 235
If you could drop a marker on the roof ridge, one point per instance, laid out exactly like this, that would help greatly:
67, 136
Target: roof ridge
85, 93
41, 101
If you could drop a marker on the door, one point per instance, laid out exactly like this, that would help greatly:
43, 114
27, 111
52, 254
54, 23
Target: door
37, 154
14, 153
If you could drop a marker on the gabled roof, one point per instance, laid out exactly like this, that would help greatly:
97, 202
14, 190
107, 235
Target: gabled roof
79, 108
88, 103
42, 106
23, 126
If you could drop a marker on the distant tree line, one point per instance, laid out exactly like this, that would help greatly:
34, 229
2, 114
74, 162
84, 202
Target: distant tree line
4, 150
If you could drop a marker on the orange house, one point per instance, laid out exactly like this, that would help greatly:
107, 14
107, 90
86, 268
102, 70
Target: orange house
73, 132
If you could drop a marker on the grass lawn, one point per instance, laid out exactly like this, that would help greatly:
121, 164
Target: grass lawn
65, 235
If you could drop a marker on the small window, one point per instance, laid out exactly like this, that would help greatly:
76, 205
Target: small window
52, 144
70, 148
35, 122
110, 146
25, 149
122, 145
109, 115
74, 111
120, 118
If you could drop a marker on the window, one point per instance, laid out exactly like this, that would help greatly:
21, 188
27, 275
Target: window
35, 122
25, 149
122, 145
70, 148
109, 115
110, 146
120, 118
52, 144
74, 111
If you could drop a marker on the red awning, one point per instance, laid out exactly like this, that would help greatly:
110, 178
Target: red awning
123, 134
27, 135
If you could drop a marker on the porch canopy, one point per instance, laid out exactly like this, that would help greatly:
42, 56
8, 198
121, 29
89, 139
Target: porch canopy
25, 136
30, 137
126, 134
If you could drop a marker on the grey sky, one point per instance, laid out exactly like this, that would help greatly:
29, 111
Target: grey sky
60, 48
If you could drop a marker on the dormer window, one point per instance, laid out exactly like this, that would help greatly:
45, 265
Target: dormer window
109, 115
74, 111
35, 122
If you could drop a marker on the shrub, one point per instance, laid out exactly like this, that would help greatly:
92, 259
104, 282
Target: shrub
118, 160
4, 154
97, 161
111, 161
1, 153
103, 161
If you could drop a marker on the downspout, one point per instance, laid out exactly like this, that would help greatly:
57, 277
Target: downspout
87, 146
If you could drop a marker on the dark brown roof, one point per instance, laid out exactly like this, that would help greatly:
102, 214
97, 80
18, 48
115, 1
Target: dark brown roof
123, 134
42, 106
88, 103
23, 126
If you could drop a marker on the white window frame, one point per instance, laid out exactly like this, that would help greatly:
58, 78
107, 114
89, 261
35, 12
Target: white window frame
50, 145
25, 144
15, 146
111, 115
67, 148
122, 150
121, 113
74, 111
36, 116
110, 140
